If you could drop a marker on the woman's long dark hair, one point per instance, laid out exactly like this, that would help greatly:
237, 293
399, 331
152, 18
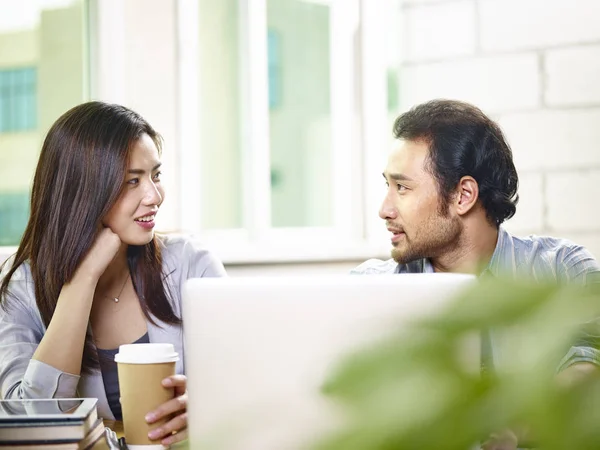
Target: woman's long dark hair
79, 177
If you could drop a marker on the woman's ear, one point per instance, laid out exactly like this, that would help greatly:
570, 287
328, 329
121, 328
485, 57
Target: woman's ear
467, 195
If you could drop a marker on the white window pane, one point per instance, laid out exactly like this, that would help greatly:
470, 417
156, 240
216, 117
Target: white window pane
393, 48
299, 113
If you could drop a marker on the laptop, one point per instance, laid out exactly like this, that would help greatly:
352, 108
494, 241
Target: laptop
258, 349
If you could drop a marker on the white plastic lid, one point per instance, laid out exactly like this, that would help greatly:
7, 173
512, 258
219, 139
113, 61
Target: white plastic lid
146, 354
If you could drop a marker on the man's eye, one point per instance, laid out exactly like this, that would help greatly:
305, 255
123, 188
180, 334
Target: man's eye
401, 188
133, 181
157, 176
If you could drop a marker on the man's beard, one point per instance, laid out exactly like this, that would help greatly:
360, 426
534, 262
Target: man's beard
436, 236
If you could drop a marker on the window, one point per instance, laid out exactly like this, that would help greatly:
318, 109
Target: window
18, 111
291, 126
274, 113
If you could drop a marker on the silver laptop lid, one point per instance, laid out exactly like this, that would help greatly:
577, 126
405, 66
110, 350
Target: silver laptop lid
258, 350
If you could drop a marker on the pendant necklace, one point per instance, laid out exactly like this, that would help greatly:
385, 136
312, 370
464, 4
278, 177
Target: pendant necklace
116, 299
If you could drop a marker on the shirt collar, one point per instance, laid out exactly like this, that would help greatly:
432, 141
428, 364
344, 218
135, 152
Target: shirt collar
503, 256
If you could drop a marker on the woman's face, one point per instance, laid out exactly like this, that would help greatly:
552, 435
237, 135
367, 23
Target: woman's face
132, 216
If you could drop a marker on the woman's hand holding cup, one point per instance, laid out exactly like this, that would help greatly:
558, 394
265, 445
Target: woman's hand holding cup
175, 430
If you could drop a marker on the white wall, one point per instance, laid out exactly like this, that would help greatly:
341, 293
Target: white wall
534, 65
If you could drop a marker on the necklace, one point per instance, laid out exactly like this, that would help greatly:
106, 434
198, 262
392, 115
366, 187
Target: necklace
116, 299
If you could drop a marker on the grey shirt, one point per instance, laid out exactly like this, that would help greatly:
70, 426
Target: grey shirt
533, 257
540, 258
22, 329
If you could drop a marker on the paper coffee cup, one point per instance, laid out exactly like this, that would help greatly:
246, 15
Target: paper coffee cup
142, 367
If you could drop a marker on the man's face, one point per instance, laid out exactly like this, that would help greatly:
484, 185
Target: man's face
412, 208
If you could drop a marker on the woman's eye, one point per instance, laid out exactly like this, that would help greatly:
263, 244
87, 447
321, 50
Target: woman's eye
133, 181
157, 175
401, 188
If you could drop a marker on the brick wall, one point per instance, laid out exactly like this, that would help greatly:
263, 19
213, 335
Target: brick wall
533, 65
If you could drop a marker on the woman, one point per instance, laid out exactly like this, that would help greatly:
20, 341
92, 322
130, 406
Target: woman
90, 274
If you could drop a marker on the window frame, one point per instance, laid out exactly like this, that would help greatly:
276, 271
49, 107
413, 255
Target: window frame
358, 83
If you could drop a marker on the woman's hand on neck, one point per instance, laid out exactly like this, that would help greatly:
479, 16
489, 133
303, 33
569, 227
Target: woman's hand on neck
116, 270
107, 257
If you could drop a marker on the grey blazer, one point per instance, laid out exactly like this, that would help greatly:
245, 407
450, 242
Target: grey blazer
21, 330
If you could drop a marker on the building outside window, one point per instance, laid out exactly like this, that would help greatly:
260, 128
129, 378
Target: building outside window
18, 99
43, 72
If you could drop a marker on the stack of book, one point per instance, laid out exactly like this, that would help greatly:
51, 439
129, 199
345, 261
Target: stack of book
50, 424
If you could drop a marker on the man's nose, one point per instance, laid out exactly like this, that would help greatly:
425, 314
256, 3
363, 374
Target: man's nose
388, 210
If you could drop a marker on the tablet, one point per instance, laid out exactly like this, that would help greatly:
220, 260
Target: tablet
63, 409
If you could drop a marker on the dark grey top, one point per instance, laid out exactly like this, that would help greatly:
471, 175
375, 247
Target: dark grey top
110, 376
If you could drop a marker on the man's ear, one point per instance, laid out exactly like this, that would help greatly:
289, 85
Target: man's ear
467, 194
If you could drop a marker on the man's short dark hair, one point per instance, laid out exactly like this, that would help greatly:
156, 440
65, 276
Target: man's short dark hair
463, 141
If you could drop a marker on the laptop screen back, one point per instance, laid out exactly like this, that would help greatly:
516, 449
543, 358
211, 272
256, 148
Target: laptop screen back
258, 350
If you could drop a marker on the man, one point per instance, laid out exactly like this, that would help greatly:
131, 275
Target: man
451, 184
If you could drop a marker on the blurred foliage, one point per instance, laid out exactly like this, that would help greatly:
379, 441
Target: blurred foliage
414, 391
